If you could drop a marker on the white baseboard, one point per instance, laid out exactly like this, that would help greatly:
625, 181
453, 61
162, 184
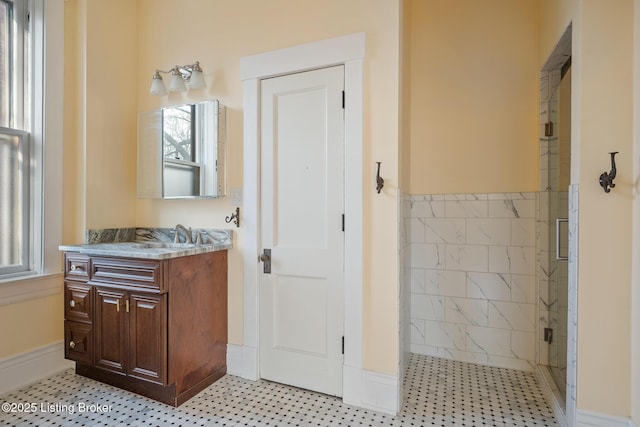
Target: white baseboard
595, 419
27, 368
371, 390
234, 360
242, 361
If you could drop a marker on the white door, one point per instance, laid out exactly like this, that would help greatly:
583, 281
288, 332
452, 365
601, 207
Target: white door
302, 199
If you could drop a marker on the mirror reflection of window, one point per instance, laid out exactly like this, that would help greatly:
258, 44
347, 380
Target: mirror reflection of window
181, 161
178, 133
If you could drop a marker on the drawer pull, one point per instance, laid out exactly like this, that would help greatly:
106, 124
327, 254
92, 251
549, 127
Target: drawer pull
76, 267
72, 303
73, 344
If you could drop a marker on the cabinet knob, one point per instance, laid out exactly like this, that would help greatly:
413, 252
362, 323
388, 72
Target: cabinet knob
72, 344
75, 267
72, 303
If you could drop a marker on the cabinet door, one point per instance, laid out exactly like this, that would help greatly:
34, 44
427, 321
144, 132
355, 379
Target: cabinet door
148, 337
78, 342
78, 302
111, 330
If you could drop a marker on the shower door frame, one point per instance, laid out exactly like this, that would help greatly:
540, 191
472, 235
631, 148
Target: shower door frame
561, 52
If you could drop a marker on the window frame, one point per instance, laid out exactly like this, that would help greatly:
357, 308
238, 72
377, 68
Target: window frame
45, 123
19, 63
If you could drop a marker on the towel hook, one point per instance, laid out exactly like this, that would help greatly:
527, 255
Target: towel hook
235, 217
379, 180
606, 178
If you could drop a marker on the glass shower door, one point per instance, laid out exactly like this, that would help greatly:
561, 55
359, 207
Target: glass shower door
558, 208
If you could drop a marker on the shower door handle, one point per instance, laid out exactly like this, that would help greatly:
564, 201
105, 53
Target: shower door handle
558, 222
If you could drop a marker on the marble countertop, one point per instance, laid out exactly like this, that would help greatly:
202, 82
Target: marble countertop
149, 250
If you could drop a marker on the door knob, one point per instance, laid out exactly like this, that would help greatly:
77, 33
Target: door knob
266, 259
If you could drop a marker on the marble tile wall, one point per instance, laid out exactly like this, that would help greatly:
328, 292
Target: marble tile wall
472, 262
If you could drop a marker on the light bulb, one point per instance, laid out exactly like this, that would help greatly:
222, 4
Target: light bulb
197, 80
177, 83
157, 85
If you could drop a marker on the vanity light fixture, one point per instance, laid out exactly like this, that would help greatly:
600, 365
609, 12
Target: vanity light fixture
180, 74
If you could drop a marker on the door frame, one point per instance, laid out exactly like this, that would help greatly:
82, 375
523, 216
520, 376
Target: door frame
348, 51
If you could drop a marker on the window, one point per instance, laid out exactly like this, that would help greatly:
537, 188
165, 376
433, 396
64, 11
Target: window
16, 154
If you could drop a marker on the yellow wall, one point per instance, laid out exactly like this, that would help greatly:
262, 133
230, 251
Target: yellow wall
33, 323
602, 121
606, 124
218, 34
474, 96
110, 107
74, 218
554, 17
405, 91
635, 302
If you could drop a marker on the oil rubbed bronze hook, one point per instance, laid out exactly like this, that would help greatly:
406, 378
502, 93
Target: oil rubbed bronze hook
235, 217
379, 180
606, 178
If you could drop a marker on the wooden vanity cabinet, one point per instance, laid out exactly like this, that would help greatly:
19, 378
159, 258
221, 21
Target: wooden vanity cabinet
154, 327
139, 347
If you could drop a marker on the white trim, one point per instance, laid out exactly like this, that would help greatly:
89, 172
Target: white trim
30, 287
371, 390
349, 51
234, 360
308, 56
596, 419
240, 361
32, 366
53, 124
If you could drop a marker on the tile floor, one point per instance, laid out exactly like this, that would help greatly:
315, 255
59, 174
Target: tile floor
438, 392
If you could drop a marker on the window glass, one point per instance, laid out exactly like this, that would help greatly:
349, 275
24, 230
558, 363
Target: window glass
5, 63
14, 200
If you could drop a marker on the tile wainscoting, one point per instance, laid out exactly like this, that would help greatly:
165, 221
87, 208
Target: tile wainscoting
472, 263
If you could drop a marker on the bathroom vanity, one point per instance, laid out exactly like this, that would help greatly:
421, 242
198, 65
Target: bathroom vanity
150, 318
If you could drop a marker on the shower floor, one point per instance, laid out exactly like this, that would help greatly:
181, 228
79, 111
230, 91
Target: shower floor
438, 392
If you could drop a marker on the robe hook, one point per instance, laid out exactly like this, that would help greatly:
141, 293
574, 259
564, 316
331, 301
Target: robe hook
379, 180
235, 217
606, 178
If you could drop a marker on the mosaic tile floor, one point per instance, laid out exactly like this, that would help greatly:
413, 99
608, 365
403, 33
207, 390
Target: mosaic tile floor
438, 392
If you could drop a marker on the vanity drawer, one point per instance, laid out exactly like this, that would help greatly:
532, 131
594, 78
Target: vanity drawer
76, 266
78, 302
126, 272
78, 342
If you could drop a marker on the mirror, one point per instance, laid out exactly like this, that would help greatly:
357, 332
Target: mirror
181, 151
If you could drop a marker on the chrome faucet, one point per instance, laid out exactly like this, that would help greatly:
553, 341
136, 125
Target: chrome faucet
187, 234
